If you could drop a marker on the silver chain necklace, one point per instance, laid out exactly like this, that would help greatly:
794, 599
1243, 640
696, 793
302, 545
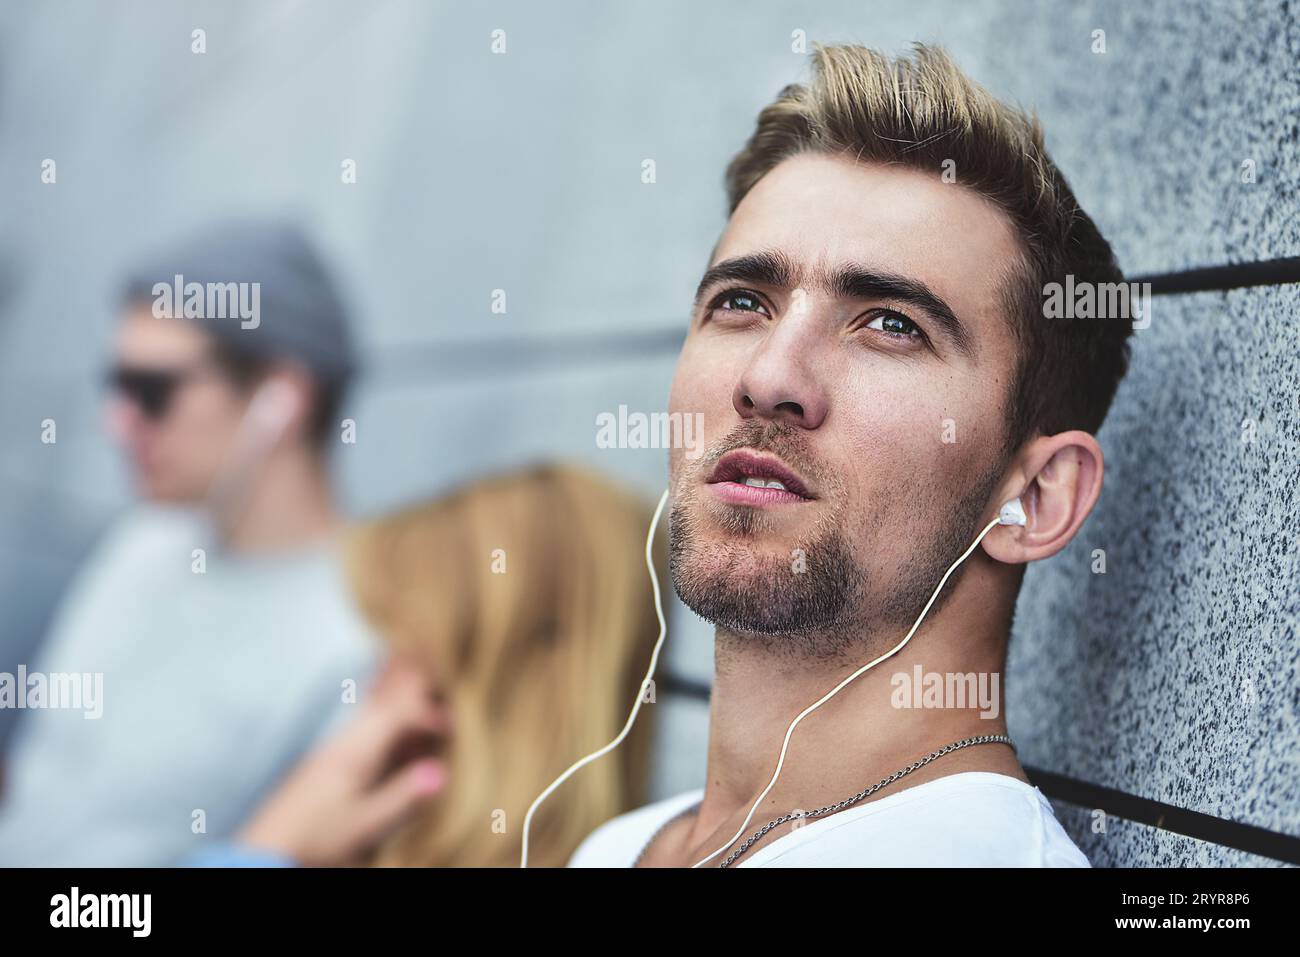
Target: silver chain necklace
833, 808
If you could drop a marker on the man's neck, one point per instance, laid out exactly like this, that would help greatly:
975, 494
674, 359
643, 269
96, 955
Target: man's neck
863, 734
287, 505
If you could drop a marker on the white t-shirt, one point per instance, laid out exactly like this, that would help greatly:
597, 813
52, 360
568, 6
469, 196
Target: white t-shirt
219, 672
969, 819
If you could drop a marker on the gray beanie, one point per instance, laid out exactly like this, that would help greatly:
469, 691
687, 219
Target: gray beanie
284, 304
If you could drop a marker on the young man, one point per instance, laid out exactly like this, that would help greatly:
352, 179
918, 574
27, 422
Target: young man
869, 349
216, 613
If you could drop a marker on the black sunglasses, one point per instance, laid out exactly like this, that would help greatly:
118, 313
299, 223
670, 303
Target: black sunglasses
152, 390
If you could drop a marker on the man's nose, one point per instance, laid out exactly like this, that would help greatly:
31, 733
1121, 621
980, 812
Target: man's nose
780, 382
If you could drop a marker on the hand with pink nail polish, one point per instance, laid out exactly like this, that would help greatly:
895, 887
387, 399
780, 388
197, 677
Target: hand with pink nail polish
345, 797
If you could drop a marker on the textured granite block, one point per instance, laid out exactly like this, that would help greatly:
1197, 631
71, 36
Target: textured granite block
1153, 133
1174, 675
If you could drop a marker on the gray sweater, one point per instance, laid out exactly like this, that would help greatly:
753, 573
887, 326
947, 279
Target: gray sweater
217, 675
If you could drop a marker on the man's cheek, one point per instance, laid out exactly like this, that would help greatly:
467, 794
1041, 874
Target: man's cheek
892, 456
674, 466
696, 423
692, 435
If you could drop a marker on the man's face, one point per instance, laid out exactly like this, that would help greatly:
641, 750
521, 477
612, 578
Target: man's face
850, 341
174, 412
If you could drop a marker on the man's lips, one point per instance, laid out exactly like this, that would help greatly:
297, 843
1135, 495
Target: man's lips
747, 477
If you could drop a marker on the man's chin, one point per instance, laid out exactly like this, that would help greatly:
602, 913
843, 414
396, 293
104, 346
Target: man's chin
747, 600
746, 566
760, 586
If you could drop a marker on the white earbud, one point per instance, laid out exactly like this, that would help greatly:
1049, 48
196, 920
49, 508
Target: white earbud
1013, 513
272, 409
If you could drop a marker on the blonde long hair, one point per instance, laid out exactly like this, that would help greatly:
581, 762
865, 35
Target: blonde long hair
527, 597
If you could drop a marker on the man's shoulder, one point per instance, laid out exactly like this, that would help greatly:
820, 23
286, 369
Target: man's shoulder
147, 529
970, 819
1006, 822
118, 579
618, 841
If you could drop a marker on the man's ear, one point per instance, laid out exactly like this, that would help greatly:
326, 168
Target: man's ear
279, 405
1059, 478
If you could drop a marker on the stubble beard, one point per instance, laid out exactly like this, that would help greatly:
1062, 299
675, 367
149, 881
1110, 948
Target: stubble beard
819, 602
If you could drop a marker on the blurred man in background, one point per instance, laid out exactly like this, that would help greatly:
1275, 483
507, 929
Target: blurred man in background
217, 613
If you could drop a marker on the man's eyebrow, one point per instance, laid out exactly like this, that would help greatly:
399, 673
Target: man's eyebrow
854, 282
774, 268
767, 268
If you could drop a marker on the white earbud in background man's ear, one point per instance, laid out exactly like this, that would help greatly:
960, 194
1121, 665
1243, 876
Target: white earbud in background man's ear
270, 412
272, 409
1013, 513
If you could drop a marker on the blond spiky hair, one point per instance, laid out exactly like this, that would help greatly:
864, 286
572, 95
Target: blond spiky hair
923, 113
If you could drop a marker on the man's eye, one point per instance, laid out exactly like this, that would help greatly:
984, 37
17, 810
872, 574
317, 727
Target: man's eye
740, 301
895, 324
